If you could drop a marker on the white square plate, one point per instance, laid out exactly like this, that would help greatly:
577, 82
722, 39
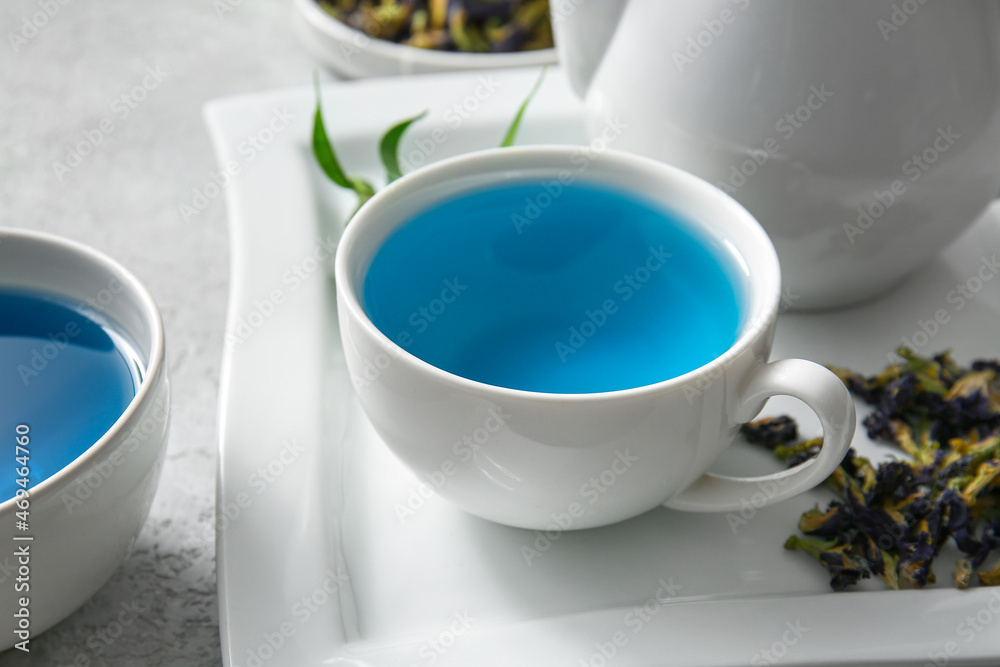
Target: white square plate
330, 553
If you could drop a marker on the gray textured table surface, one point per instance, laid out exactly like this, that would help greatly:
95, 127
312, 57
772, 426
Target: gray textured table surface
57, 83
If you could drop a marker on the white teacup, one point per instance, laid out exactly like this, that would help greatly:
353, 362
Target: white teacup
73, 530
646, 446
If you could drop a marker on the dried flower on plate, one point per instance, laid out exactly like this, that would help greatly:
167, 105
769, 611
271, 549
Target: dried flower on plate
892, 520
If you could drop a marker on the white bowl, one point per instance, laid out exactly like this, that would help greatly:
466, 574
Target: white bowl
84, 519
353, 54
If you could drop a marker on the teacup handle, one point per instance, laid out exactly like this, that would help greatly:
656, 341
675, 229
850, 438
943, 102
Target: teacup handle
818, 388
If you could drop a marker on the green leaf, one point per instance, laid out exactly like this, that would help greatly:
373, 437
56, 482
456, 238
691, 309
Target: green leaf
511, 136
323, 149
327, 157
388, 148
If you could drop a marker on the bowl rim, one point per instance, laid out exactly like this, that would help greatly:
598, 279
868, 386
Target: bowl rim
340, 32
154, 367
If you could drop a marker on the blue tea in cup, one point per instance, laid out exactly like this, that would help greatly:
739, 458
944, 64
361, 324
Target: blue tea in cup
558, 288
65, 374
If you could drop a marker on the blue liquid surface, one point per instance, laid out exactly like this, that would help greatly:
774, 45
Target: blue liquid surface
589, 291
61, 374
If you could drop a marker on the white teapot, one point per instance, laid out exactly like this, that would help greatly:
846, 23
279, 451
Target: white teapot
864, 135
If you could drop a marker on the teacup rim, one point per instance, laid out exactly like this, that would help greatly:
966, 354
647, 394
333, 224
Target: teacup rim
153, 371
758, 324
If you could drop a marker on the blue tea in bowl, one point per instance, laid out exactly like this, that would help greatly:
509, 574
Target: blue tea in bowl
63, 374
556, 288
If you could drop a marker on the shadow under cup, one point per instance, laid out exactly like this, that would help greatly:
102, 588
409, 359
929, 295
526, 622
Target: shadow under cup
418, 340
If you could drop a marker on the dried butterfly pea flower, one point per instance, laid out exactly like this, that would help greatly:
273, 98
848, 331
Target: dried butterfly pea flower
893, 520
962, 575
800, 453
438, 12
485, 26
990, 577
856, 383
529, 29
884, 564
771, 431
984, 480
828, 524
986, 365
465, 36
843, 565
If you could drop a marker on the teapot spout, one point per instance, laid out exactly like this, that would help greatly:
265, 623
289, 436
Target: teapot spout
583, 29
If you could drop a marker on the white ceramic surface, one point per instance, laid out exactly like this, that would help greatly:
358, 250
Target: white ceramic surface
85, 518
344, 558
354, 55
862, 134
535, 465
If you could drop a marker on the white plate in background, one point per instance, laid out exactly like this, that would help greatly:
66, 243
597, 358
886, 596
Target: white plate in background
329, 552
